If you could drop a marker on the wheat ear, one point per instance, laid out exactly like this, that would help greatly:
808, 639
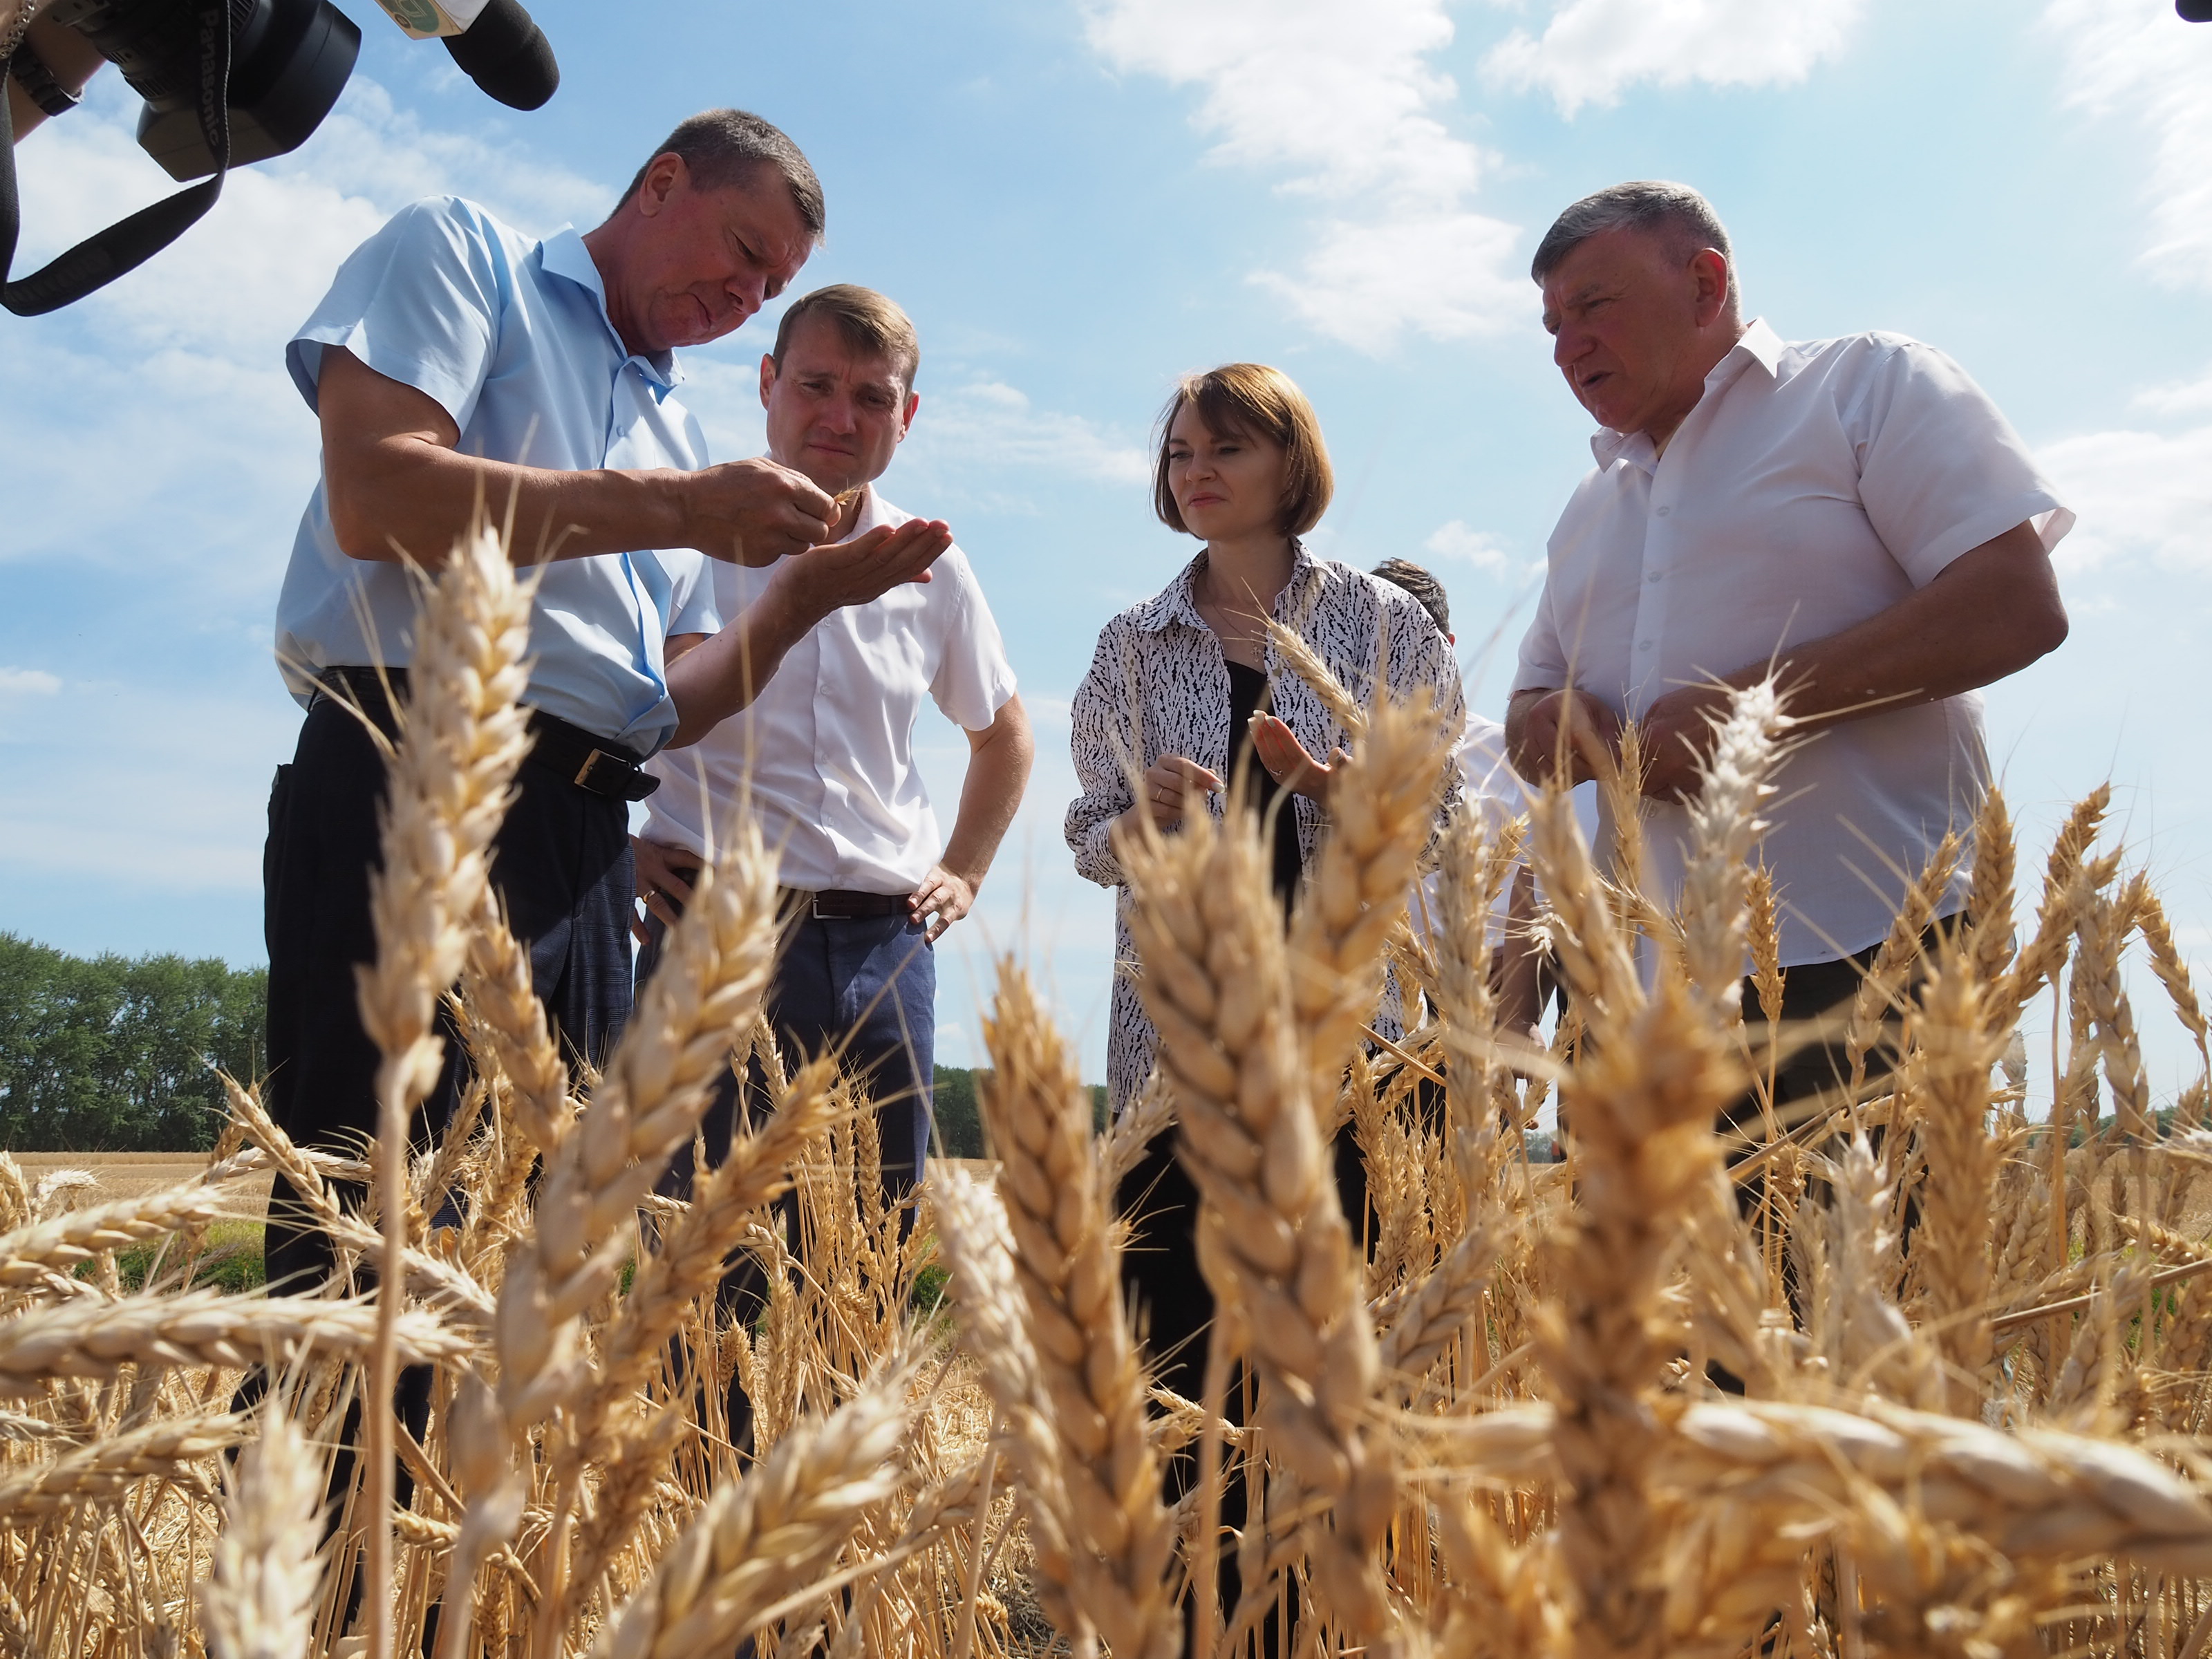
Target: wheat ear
1641, 1100
1305, 662
698, 1007
463, 735
696, 1251
978, 1248
1725, 826
1881, 990
163, 1448
760, 1538
512, 1022
1382, 805
1950, 1066
1061, 1218
1277, 1249
260, 1597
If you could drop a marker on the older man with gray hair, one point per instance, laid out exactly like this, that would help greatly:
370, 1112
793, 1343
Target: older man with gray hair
1853, 516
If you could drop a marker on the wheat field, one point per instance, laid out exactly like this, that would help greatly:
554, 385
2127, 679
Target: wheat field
1484, 1417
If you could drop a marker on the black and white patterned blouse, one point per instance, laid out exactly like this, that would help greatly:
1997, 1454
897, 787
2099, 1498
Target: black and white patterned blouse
1159, 686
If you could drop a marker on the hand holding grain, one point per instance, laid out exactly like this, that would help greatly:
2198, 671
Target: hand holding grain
817, 580
1168, 785
755, 512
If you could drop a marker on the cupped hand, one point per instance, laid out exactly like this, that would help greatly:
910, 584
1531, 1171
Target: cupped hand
755, 512
822, 579
664, 885
1592, 738
943, 898
1289, 762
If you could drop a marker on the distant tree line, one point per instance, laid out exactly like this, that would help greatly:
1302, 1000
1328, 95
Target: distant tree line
960, 1121
114, 1054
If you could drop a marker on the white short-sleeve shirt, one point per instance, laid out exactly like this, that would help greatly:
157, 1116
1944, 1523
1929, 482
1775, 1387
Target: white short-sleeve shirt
827, 747
511, 338
1815, 485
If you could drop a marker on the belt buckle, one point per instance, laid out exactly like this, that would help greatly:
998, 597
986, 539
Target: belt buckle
815, 912
583, 778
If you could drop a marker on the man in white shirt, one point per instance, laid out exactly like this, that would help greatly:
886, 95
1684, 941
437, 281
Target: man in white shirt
1853, 515
825, 755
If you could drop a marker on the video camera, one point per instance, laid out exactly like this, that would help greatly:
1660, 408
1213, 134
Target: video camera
228, 83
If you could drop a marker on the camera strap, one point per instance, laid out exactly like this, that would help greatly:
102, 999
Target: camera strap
129, 243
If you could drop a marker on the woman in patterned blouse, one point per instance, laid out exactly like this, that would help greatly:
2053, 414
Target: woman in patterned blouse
1174, 687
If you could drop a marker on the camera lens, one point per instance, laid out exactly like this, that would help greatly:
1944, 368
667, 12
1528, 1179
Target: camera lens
288, 62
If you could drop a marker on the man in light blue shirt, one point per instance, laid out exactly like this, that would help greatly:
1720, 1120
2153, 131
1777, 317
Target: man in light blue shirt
456, 360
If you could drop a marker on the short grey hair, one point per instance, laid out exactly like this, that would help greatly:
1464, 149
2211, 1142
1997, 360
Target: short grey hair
1681, 216
720, 147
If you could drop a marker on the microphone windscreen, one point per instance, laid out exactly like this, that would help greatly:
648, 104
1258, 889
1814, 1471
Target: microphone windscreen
2195, 11
507, 55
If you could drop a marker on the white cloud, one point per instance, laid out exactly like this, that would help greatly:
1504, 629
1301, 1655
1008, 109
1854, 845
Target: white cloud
2182, 398
29, 683
1339, 95
2136, 58
1478, 548
2137, 493
987, 426
1593, 50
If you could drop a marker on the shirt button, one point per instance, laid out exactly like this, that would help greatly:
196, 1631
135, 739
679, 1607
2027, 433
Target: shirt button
1653, 577
1643, 645
1664, 511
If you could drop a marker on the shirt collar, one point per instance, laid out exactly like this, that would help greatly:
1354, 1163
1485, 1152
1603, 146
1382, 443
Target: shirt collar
1176, 603
564, 254
1759, 344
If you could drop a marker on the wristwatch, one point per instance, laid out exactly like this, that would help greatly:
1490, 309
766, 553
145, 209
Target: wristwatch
32, 74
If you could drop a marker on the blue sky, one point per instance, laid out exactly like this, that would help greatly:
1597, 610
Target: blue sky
1076, 201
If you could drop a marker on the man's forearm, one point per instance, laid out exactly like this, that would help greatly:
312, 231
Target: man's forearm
419, 497
1990, 613
721, 675
998, 772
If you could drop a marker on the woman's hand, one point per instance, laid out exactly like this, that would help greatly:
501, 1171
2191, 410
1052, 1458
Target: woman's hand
1288, 763
1168, 787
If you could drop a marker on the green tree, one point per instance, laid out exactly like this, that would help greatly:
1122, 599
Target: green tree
112, 1054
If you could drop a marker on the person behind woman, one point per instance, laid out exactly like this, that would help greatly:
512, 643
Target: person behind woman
1173, 688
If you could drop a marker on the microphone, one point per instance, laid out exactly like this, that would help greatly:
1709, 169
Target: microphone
494, 41
2194, 11
508, 56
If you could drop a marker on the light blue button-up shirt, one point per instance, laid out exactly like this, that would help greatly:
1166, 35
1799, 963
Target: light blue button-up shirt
512, 338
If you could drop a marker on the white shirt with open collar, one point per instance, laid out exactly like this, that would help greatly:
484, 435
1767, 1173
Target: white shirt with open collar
1815, 485
826, 749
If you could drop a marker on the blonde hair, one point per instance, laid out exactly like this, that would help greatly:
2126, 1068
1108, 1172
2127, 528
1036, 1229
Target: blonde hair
1260, 402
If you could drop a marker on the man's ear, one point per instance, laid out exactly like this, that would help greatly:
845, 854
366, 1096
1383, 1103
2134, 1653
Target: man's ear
1709, 269
768, 376
663, 174
906, 420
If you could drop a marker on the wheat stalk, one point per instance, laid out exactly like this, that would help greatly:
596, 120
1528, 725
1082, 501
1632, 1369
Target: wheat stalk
259, 1599
779, 1526
1274, 1245
1059, 1214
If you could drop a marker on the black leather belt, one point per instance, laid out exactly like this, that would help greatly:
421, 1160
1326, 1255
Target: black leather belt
836, 904
577, 755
